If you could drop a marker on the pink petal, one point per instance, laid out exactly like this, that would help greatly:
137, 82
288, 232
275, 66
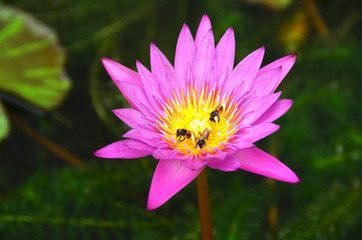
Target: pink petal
204, 60
275, 111
162, 69
243, 76
169, 178
198, 161
136, 96
266, 82
220, 155
131, 117
204, 28
194, 162
185, 53
239, 144
167, 153
253, 134
125, 149
259, 162
118, 72
257, 107
227, 165
142, 135
152, 84
225, 53
286, 62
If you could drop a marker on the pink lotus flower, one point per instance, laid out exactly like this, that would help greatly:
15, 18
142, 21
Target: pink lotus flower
200, 112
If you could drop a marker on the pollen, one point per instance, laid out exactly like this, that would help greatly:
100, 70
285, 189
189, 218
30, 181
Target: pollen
195, 111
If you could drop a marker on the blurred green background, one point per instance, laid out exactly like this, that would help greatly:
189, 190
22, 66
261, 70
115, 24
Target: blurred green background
55, 111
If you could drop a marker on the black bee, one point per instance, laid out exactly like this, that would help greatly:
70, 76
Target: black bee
182, 134
201, 141
215, 114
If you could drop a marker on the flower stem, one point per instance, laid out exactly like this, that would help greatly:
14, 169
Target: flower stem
47, 143
315, 16
204, 206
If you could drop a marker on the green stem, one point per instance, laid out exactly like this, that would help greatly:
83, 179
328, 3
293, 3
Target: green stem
204, 206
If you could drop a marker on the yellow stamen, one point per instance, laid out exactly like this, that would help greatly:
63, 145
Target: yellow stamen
193, 114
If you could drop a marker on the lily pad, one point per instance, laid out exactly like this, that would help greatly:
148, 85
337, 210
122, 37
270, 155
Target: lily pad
31, 60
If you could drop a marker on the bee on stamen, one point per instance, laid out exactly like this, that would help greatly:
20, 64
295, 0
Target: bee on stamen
204, 136
215, 114
182, 134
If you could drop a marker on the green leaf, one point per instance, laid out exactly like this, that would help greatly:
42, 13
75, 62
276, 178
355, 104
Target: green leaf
31, 60
333, 213
94, 200
4, 124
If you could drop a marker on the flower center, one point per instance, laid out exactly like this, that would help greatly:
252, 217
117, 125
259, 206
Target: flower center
197, 124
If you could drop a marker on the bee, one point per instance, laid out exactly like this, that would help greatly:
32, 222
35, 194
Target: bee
215, 114
204, 136
182, 134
